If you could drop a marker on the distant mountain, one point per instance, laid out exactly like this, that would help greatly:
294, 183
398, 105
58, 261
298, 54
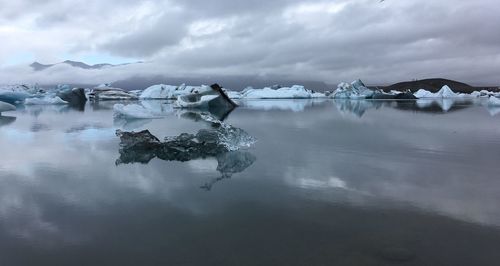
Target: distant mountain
433, 85
40, 67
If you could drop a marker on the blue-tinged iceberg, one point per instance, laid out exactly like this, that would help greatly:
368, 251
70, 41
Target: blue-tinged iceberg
18, 93
354, 91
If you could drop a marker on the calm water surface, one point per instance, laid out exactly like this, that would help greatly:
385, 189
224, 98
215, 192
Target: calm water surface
327, 183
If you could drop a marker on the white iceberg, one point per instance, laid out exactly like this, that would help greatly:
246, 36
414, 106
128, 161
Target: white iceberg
493, 101
444, 92
294, 92
162, 91
233, 94
46, 100
318, 95
5, 107
421, 93
159, 91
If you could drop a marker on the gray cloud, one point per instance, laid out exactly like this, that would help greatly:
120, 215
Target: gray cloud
323, 40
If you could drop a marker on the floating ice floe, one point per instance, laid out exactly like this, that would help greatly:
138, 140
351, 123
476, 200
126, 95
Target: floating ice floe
294, 92
5, 107
216, 141
46, 100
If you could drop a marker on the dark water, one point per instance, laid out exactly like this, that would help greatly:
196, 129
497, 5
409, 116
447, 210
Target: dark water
332, 183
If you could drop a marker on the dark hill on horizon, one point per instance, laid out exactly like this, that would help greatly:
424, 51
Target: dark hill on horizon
434, 85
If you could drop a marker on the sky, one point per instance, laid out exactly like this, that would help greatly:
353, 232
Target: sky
330, 41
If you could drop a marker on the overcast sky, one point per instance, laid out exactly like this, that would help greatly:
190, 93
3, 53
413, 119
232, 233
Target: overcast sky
332, 41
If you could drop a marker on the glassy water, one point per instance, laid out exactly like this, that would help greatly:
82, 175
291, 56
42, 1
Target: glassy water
327, 183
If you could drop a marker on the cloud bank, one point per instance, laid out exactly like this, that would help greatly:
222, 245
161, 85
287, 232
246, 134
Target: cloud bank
329, 41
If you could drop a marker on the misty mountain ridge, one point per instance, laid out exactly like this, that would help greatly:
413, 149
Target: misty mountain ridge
240, 82
37, 66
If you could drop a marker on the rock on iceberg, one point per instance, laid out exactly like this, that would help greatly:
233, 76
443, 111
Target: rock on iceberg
74, 97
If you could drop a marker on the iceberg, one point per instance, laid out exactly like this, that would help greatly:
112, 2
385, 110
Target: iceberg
233, 94
444, 92
6, 107
216, 141
354, 91
421, 93
159, 91
493, 101
294, 92
106, 93
214, 99
74, 97
318, 95
46, 100
162, 91
194, 101
17, 93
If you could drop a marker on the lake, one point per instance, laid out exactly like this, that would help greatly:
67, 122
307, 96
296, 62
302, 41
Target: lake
328, 182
